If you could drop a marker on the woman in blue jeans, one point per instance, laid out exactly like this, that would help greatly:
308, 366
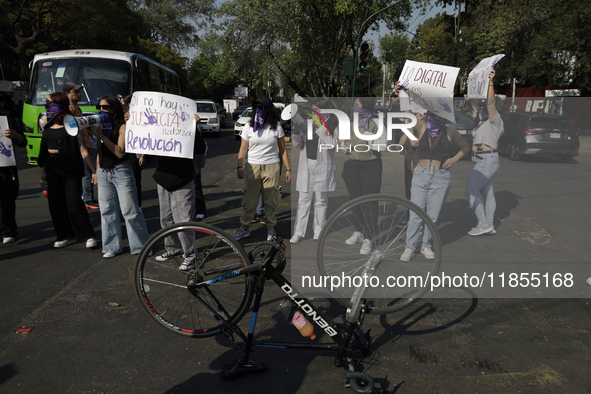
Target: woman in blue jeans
431, 179
116, 183
486, 162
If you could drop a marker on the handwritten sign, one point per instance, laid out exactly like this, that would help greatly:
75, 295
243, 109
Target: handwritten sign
478, 78
161, 124
428, 86
6, 151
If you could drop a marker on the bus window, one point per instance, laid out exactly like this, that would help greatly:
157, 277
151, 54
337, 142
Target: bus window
155, 78
175, 85
141, 80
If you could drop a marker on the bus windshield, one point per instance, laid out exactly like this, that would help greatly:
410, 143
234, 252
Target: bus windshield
100, 77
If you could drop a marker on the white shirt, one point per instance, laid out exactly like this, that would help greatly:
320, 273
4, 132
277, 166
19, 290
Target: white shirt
489, 132
262, 145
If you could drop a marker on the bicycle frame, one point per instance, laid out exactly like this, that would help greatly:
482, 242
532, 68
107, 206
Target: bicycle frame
341, 336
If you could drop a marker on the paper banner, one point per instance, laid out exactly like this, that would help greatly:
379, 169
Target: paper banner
478, 78
428, 86
6, 150
161, 124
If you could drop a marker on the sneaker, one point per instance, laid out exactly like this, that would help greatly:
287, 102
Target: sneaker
482, 228
407, 255
402, 224
295, 239
259, 218
366, 247
109, 255
271, 234
187, 265
316, 236
241, 233
355, 238
92, 205
168, 255
8, 240
199, 216
91, 243
428, 253
45, 193
64, 243
493, 231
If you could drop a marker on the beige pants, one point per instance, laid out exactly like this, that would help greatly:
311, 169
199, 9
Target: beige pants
256, 175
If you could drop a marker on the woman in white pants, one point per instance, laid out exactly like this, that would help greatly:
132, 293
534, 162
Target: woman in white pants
316, 172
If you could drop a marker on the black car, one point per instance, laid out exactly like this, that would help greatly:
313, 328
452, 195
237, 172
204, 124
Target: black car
221, 111
238, 111
531, 133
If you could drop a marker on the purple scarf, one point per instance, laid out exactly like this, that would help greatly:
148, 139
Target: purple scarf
483, 115
433, 126
107, 124
53, 109
260, 117
364, 117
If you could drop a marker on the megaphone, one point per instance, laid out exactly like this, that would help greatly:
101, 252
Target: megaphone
74, 124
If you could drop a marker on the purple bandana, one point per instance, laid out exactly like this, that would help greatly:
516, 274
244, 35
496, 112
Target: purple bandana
53, 109
433, 126
364, 116
483, 115
107, 124
260, 117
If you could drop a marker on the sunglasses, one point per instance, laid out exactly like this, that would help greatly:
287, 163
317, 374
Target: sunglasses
105, 107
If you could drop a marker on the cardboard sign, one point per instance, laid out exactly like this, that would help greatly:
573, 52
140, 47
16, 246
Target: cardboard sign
429, 87
6, 150
478, 78
161, 124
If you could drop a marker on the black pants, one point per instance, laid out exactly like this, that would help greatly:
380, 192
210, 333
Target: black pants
362, 178
9, 187
137, 174
67, 209
199, 197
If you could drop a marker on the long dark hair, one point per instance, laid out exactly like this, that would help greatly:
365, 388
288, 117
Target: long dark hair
272, 119
118, 118
62, 99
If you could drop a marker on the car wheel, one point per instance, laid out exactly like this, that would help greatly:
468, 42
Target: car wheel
565, 158
513, 151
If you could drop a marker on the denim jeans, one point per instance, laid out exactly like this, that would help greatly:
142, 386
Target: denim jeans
429, 192
87, 186
116, 187
178, 206
481, 181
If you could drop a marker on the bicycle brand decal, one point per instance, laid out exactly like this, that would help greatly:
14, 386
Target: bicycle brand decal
308, 310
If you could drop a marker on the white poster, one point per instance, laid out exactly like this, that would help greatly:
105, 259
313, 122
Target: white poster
478, 78
161, 124
6, 150
428, 86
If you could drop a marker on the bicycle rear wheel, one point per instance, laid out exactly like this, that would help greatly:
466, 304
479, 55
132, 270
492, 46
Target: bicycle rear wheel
170, 296
386, 283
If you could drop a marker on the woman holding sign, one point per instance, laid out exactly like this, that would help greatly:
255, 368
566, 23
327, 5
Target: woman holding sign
486, 162
263, 141
116, 183
432, 178
60, 159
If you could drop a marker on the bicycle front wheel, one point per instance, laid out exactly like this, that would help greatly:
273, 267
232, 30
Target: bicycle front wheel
361, 247
173, 298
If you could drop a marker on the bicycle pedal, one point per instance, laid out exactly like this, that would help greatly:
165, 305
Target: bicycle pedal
239, 367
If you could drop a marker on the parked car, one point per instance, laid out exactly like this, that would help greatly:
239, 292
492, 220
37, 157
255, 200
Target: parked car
531, 133
210, 117
222, 112
238, 111
240, 122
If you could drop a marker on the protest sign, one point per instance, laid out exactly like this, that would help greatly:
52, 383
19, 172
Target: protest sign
6, 151
428, 86
161, 124
478, 78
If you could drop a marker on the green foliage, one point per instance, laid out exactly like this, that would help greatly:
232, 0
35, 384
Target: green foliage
393, 48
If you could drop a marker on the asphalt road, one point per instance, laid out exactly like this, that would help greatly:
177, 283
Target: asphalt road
92, 336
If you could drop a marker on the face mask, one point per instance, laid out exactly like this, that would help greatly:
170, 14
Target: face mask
433, 126
52, 110
260, 117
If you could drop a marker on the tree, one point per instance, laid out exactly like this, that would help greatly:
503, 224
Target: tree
393, 49
172, 23
306, 41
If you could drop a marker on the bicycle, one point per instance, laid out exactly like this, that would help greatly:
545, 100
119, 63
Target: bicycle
214, 296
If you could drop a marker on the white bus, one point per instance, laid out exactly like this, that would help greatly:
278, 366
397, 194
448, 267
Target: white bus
101, 72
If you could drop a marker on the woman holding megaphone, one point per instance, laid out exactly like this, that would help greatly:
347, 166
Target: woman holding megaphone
116, 183
60, 159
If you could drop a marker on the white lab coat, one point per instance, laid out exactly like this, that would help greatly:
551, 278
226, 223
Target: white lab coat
323, 178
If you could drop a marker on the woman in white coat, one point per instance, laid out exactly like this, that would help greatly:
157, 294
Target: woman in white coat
316, 172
